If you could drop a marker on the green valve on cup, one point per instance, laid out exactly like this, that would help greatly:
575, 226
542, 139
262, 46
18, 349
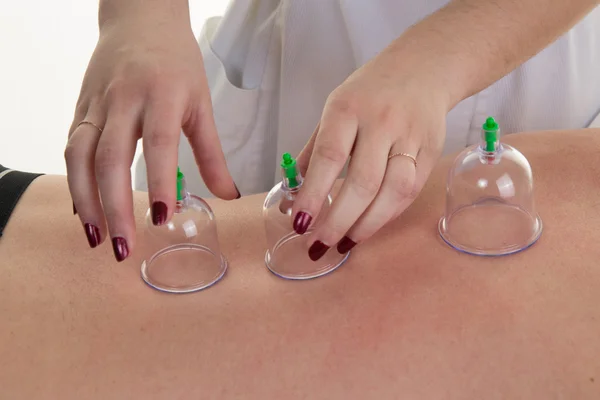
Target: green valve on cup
491, 134
288, 163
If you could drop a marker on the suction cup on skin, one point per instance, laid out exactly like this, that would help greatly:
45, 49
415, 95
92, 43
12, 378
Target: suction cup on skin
183, 255
490, 208
287, 253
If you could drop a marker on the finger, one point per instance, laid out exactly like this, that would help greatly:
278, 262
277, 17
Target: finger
160, 133
205, 143
401, 185
332, 146
79, 157
303, 159
365, 174
113, 159
81, 111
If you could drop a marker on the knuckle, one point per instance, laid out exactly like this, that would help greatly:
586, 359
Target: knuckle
404, 189
330, 152
365, 185
108, 158
114, 89
81, 108
119, 91
388, 118
158, 139
157, 81
72, 155
432, 145
341, 104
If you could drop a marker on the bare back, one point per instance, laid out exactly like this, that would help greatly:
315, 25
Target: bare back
405, 317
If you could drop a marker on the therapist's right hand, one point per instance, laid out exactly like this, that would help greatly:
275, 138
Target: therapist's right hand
142, 82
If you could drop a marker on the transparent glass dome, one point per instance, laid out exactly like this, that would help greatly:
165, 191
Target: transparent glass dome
183, 255
287, 253
490, 207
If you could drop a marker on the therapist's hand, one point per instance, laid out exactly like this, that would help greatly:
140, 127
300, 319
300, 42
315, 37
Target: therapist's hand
145, 80
380, 110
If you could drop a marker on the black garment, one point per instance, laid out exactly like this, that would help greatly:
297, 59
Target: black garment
12, 187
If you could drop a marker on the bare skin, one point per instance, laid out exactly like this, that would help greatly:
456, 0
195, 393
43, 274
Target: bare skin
406, 317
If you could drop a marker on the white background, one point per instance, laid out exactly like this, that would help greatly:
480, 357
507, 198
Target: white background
45, 46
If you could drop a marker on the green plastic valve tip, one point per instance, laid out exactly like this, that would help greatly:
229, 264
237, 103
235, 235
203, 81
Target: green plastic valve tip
491, 133
288, 163
180, 178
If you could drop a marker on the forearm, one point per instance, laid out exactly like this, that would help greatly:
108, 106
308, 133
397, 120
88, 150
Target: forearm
157, 12
469, 44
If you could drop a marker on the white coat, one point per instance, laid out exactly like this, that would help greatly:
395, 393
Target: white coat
272, 63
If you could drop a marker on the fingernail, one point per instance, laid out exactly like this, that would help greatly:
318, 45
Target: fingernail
301, 222
120, 248
159, 213
74, 209
93, 235
239, 195
345, 245
317, 250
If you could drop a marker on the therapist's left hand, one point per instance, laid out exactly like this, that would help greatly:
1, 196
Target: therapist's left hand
381, 111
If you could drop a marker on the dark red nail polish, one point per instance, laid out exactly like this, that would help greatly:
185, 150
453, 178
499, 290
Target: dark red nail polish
345, 245
120, 248
159, 213
74, 209
93, 235
301, 222
317, 250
